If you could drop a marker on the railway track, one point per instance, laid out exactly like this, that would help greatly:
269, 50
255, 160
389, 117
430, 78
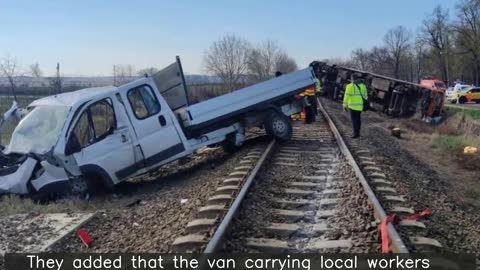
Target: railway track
304, 195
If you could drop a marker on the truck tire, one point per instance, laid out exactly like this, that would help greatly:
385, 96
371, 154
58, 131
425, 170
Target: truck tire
278, 126
462, 100
86, 185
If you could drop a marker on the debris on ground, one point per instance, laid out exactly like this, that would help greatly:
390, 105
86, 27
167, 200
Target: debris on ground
470, 150
396, 132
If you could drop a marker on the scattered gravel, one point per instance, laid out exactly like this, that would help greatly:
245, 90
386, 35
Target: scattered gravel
152, 221
454, 224
19, 225
355, 217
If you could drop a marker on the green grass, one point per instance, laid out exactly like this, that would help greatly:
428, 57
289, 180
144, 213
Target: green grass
468, 112
449, 143
11, 204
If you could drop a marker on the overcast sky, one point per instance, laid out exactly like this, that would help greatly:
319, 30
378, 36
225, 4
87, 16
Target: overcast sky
88, 36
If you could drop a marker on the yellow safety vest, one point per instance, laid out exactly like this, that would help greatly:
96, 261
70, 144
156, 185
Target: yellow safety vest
353, 96
318, 86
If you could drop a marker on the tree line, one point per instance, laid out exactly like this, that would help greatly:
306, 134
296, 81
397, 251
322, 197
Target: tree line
237, 62
30, 80
445, 46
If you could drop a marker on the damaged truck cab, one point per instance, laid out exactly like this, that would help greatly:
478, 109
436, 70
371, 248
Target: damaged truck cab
90, 134
106, 135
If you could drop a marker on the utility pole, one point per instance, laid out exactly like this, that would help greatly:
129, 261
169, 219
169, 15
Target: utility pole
58, 81
114, 75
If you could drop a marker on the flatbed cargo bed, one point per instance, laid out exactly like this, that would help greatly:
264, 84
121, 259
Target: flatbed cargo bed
243, 100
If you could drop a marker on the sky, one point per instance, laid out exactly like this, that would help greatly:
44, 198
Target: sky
88, 36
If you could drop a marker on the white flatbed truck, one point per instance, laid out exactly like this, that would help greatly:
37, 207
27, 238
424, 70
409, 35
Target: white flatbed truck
109, 134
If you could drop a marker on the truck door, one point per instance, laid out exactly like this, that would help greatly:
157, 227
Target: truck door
102, 145
171, 85
154, 127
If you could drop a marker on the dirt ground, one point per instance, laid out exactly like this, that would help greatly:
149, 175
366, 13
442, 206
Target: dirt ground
427, 178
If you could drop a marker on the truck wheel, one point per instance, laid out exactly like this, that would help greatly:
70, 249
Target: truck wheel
85, 186
80, 185
462, 100
278, 126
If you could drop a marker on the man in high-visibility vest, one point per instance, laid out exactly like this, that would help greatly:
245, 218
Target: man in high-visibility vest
355, 93
318, 92
318, 86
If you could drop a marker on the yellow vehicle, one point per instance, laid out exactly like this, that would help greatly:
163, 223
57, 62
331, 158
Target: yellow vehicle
469, 95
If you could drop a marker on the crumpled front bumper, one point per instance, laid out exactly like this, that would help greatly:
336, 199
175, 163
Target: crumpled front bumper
21, 181
15, 181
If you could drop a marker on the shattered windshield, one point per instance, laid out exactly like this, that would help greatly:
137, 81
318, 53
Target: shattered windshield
39, 129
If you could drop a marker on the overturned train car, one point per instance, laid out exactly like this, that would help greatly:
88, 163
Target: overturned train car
391, 96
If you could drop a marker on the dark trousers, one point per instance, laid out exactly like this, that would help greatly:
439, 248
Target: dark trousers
313, 102
356, 121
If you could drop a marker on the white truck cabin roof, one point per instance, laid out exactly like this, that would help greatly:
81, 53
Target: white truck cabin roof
75, 97
72, 98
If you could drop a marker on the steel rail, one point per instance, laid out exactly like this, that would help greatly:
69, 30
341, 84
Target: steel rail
397, 245
217, 237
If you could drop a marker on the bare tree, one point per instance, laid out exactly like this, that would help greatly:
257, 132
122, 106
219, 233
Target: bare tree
285, 63
9, 69
35, 70
262, 60
381, 61
436, 33
420, 58
123, 74
267, 58
227, 58
397, 43
361, 59
468, 31
129, 71
147, 71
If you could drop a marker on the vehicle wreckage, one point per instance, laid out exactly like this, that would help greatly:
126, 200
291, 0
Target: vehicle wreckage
74, 141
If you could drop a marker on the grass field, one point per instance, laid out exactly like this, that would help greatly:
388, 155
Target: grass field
460, 129
447, 143
471, 112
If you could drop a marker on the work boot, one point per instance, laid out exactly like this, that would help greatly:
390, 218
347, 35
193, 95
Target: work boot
355, 136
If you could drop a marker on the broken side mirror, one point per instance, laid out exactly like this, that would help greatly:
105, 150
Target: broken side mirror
73, 146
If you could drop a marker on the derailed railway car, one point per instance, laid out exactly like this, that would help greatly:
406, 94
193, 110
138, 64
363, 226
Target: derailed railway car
391, 96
